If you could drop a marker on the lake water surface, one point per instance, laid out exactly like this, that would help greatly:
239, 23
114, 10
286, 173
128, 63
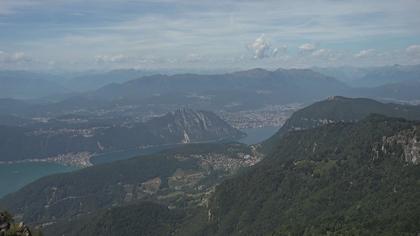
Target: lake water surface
15, 176
257, 135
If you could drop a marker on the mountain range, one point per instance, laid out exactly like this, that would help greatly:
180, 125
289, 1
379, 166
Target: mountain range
233, 91
50, 86
357, 173
95, 80
28, 85
236, 91
77, 135
373, 76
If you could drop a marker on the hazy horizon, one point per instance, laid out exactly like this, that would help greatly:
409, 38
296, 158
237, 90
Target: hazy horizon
174, 71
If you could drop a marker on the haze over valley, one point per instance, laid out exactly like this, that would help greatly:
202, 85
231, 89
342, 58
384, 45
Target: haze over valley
178, 117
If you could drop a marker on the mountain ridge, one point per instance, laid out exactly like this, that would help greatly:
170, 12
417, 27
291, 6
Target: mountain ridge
340, 178
327, 180
183, 126
342, 109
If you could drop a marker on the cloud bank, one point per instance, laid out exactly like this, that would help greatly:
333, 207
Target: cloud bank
192, 34
14, 57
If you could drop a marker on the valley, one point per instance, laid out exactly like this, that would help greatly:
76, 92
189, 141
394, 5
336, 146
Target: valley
26, 171
210, 181
209, 118
91, 156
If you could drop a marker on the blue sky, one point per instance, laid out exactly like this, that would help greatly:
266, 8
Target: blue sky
206, 34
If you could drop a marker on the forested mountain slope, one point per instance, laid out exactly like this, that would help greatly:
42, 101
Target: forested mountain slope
341, 109
345, 178
180, 126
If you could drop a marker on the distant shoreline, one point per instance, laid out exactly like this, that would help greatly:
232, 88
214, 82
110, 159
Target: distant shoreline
80, 160
83, 159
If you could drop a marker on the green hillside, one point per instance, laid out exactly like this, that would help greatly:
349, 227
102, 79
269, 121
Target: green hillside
178, 178
341, 109
339, 179
357, 175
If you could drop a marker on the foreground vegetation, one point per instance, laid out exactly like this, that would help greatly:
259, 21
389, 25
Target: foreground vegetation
8, 226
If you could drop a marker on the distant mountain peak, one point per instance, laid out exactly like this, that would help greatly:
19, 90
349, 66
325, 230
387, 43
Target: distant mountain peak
253, 72
184, 110
338, 98
257, 69
191, 125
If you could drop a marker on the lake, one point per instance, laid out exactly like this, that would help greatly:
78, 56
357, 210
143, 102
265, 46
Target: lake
257, 135
15, 176
254, 135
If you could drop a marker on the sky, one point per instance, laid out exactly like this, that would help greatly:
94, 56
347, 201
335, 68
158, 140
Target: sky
207, 34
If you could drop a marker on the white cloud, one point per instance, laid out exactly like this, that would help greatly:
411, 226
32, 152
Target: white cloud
322, 52
413, 50
307, 48
117, 58
210, 28
13, 58
261, 48
365, 53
